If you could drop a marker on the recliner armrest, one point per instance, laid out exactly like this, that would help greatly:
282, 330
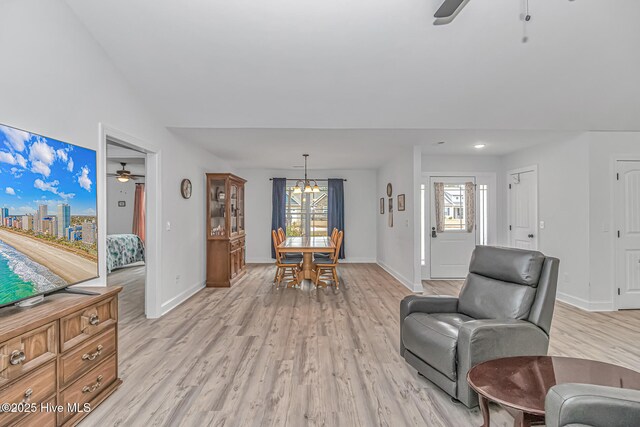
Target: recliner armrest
482, 340
428, 304
591, 405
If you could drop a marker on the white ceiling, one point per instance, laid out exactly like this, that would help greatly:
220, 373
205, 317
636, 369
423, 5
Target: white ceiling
376, 63
353, 148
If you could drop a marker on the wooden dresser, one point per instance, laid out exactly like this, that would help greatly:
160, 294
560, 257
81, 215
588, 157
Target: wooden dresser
225, 229
61, 352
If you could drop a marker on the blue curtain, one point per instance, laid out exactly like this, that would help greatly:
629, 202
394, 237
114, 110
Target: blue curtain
336, 208
278, 208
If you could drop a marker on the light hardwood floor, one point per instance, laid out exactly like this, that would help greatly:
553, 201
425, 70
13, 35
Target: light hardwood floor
253, 355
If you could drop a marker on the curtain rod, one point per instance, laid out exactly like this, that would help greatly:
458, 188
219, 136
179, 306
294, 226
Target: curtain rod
310, 179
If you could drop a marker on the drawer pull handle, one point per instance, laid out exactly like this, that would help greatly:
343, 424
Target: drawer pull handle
17, 357
27, 395
90, 389
94, 320
93, 356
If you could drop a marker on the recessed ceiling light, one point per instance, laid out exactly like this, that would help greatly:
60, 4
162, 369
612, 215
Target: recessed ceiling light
479, 146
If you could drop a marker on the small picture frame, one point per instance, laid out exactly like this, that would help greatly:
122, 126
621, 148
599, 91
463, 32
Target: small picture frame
390, 211
382, 206
122, 203
401, 202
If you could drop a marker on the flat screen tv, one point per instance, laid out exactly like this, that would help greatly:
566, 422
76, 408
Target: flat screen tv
48, 227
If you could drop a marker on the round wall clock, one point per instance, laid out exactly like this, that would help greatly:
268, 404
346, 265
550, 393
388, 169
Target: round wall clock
389, 190
185, 188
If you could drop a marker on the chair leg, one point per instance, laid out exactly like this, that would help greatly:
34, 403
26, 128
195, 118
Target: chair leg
335, 277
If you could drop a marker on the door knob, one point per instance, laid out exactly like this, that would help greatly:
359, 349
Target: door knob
531, 236
433, 232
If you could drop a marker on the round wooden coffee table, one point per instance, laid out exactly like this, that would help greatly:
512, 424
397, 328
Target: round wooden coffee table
520, 384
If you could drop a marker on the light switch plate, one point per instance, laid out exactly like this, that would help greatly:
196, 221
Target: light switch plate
542, 225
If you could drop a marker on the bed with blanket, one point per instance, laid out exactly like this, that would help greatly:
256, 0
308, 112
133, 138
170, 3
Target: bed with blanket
123, 250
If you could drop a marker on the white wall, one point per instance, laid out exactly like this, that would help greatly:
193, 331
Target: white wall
56, 81
398, 246
455, 164
563, 187
604, 148
120, 219
360, 211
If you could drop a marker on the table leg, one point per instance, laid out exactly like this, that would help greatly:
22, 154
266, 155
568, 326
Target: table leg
307, 265
527, 420
486, 415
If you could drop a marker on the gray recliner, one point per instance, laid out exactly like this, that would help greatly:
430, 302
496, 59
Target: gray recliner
582, 405
504, 309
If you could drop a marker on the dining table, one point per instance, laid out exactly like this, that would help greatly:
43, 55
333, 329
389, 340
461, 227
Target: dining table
307, 245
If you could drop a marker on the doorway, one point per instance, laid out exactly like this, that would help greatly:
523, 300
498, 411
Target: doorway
153, 228
523, 208
627, 217
126, 221
449, 257
453, 226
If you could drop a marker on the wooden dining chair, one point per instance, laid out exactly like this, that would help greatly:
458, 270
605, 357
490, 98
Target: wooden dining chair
327, 256
285, 268
289, 255
329, 270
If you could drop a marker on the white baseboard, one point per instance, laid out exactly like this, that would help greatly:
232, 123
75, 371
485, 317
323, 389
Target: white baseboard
413, 287
584, 304
180, 298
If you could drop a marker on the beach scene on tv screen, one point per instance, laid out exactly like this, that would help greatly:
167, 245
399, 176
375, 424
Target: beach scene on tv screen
48, 227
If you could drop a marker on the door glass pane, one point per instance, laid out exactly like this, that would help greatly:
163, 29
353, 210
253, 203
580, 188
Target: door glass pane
217, 207
454, 207
306, 213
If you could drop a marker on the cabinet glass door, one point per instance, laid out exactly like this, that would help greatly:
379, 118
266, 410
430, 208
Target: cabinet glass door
241, 209
217, 205
234, 209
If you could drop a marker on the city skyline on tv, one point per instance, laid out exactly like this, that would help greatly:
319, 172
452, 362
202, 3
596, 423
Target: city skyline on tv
36, 170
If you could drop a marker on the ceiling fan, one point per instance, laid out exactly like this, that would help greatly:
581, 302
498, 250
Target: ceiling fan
448, 11
123, 175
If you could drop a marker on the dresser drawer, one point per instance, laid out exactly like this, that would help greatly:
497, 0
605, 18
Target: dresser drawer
40, 419
37, 387
88, 387
27, 352
87, 356
86, 323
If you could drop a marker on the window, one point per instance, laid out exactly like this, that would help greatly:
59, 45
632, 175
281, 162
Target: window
423, 260
483, 213
454, 207
307, 213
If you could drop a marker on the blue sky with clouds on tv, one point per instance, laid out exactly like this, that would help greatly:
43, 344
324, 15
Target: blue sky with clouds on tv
36, 170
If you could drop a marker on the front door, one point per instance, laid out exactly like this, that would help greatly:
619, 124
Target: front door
627, 207
523, 209
452, 238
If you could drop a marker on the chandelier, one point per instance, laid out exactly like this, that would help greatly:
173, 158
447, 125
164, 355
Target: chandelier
306, 182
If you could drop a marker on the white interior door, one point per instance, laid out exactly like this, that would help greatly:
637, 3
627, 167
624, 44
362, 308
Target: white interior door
523, 209
627, 206
451, 249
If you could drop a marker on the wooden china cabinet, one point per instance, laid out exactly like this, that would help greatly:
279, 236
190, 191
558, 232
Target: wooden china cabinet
225, 229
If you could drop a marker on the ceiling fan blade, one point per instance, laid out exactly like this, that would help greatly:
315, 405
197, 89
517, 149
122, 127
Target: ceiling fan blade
448, 8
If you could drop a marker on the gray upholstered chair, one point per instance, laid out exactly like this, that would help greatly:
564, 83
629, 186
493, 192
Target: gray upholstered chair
582, 405
504, 309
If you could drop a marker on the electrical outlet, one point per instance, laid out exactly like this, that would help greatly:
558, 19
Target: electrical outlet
168, 225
